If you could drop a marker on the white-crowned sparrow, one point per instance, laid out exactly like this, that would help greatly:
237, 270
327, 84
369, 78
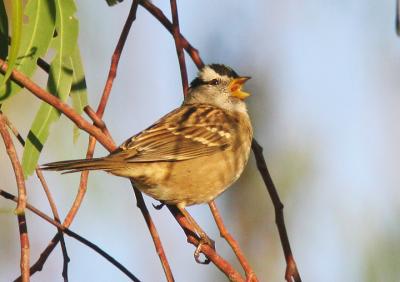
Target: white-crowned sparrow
190, 155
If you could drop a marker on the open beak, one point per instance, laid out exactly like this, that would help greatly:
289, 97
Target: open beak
236, 87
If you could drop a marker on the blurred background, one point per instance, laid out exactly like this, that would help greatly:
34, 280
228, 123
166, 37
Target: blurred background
325, 107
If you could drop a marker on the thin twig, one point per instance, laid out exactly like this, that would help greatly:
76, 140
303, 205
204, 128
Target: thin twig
56, 216
178, 44
97, 121
74, 235
250, 274
292, 272
154, 233
21, 200
50, 199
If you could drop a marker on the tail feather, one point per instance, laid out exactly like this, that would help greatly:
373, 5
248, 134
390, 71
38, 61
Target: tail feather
71, 166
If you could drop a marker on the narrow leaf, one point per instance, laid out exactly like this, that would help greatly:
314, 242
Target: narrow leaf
16, 25
59, 83
37, 33
79, 94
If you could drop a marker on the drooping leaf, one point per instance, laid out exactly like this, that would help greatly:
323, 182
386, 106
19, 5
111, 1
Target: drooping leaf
37, 33
59, 82
3, 31
79, 94
16, 25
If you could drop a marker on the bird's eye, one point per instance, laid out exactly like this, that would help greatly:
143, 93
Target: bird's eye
214, 82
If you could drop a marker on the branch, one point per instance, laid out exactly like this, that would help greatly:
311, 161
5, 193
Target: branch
57, 219
73, 235
291, 268
21, 201
49, 198
250, 274
178, 44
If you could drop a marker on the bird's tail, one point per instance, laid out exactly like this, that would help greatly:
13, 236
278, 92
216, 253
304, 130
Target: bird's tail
71, 166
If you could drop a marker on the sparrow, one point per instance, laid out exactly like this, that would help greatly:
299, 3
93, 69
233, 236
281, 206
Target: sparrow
192, 154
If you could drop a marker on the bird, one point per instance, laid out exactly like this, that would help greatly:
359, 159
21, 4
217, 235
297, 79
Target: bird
192, 154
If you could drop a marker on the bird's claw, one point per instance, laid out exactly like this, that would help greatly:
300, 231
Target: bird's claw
159, 206
203, 240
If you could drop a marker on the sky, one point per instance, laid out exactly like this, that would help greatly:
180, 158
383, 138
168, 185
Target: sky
324, 105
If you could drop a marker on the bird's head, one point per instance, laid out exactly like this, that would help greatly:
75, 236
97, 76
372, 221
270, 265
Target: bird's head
218, 85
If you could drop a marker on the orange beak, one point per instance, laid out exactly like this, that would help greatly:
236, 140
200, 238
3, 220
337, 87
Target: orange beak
236, 87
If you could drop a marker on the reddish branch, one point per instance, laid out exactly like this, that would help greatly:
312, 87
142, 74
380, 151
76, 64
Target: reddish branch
49, 198
179, 48
56, 216
21, 200
250, 274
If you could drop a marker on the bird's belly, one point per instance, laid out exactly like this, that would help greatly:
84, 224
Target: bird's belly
187, 182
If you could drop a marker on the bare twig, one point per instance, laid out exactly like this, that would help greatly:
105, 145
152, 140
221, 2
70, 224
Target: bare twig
292, 272
21, 200
73, 235
97, 121
154, 234
250, 274
178, 44
49, 198
56, 216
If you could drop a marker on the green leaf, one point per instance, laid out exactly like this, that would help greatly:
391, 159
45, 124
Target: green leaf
37, 33
16, 24
3, 31
79, 94
59, 83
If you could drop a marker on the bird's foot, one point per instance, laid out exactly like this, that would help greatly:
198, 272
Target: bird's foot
204, 240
